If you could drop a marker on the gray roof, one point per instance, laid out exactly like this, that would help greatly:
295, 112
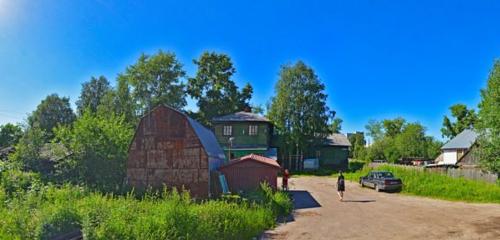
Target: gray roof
337, 139
463, 140
207, 139
241, 117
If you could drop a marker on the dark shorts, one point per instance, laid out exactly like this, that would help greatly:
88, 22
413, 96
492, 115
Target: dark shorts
340, 188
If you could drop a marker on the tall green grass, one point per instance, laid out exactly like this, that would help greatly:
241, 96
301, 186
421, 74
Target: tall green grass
50, 211
436, 185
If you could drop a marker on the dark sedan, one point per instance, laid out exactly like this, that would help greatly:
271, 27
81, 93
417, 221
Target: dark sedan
381, 181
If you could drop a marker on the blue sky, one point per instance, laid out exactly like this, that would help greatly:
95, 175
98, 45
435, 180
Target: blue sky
378, 59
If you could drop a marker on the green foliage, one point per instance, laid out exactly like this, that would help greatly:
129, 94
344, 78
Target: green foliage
436, 185
10, 134
154, 80
396, 138
358, 143
298, 110
465, 119
92, 94
27, 154
52, 112
489, 123
336, 125
98, 147
51, 211
215, 90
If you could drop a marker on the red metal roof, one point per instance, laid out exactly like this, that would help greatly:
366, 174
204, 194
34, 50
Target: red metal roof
253, 157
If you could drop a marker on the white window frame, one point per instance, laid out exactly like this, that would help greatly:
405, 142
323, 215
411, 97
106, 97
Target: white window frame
253, 130
227, 130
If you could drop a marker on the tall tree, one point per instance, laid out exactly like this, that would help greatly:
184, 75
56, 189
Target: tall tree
51, 112
489, 123
10, 134
394, 127
465, 119
358, 143
299, 109
154, 80
375, 129
214, 89
92, 94
336, 125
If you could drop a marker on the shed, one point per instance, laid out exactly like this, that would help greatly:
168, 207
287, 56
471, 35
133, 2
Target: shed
457, 147
170, 148
247, 172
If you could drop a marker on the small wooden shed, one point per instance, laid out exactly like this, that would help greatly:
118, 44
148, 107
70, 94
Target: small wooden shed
169, 148
247, 172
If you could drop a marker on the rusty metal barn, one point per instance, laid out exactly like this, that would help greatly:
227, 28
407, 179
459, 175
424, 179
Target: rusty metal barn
246, 173
169, 148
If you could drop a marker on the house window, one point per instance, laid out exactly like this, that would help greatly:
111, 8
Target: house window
228, 130
252, 130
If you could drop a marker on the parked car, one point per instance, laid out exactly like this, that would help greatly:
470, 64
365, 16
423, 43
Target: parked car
381, 181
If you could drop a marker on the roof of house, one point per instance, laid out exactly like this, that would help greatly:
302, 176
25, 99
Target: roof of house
241, 117
253, 157
337, 139
206, 136
463, 140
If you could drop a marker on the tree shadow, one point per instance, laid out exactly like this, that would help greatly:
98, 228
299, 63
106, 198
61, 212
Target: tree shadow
303, 199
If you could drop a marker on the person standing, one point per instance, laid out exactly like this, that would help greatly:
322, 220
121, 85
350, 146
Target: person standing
340, 186
286, 175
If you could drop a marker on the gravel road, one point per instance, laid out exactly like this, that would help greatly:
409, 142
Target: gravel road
366, 214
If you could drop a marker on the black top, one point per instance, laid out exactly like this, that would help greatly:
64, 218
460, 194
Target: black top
340, 183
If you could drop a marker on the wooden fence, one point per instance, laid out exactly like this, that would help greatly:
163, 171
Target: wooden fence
469, 173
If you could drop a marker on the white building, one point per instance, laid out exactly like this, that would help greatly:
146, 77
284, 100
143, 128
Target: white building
457, 147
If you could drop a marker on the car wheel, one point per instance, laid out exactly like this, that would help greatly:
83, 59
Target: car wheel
377, 188
362, 184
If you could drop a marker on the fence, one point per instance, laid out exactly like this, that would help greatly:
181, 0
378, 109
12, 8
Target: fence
469, 173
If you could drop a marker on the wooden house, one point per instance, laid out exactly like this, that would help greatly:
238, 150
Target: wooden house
334, 152
458, 149
169, 148
244, 133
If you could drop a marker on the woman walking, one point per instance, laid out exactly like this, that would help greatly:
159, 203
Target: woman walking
340, 186
286, 175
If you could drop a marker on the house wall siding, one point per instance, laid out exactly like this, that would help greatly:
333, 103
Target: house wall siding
166, 151
241, 136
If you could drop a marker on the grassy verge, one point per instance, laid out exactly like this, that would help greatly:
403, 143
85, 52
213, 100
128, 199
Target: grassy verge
435, 185
42, 212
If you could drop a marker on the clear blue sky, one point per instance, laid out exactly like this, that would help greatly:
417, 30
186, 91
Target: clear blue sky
378, 59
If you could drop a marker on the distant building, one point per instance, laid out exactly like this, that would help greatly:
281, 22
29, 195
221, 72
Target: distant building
169, 148
458, 149
334, 152
244, 133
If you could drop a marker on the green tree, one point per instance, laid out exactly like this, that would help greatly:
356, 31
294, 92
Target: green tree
10, 134
99, 148
51, 112
336, 125
214, 89
394, 127
298, 109
92, 94
27, 154
465, 119
375, 129
411, 142
358, 143
489, 123
151, 81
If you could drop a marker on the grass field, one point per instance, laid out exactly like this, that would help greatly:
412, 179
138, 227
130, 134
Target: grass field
435, 185
43, 211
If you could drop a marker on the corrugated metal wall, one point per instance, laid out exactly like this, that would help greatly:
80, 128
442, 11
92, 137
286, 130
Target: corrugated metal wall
248, 175
166, 151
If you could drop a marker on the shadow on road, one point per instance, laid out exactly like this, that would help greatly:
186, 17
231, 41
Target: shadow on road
361, 201
303, 199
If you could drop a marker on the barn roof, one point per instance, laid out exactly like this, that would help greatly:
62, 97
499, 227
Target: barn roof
256, 158
337, 139
206, 136
241, 117
463, 140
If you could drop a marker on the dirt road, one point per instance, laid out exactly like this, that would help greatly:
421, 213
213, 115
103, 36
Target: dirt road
366, 214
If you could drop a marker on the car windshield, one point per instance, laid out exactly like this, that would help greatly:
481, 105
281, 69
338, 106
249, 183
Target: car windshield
384, 175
